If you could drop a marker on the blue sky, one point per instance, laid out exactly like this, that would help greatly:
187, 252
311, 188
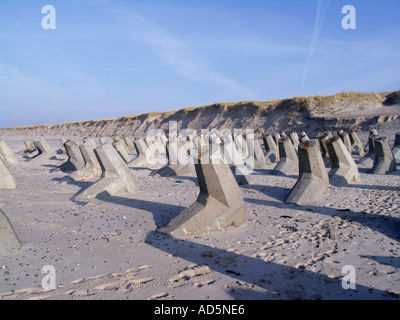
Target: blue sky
107, 59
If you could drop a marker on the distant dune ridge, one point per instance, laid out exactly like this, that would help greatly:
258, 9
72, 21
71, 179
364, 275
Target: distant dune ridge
344, 110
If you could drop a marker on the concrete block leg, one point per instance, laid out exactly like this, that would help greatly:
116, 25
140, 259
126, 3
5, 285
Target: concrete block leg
384, 162
255, 151
144, 155
289, 162
75, 158
313, 183
218, 206
356, 144
45, 151
232, 157
346, 139
8, 154
371, 149
344, 170
178, 160
396, 147
92, 168
116, 176
9, 242
271, 149
122, 150
7, 181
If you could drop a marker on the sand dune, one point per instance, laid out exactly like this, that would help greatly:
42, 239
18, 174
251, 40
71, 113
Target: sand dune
109, 247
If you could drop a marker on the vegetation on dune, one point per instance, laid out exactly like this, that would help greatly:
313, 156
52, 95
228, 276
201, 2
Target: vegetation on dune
317, 105
327, 104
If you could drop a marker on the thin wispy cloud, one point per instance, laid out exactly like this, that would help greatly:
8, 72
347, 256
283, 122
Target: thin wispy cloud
319, 20
179, 56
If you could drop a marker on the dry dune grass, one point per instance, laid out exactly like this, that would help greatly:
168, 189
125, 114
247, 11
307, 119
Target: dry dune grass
319, 105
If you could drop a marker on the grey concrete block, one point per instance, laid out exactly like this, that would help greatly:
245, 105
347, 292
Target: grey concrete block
116, 176
218, 206
289, 162
313, 183
92, 168
7, 180
356, 144
271, 148
45, 151
396, 147
344, 170
122, 150
346, 139
144, 156
8, 154
384, 162
9, 242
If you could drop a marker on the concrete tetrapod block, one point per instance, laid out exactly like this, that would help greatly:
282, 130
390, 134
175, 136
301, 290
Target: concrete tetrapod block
371, 149
178, 160
144, 155
384, 162
232, 157
255, 151
9, 242
104, 140
289, 161
277, 136
199, 143
294, 137
29, 147
45, 151
303, 137
190, 139
116, 176
62, 150
356, 144
372, 133
215, 146
75, 158
346, 140
7, 180
344, 170
219, 204
271, 148
92, 168
4, 160
159, 143
151, 146
313, 183
8, 154
396, 147
129, 144
324, 148
240, 143
122, 150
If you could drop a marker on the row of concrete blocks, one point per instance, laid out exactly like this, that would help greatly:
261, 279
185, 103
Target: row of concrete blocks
8, 157
314, 180
288, 151
271, 143
219, 204
84, 162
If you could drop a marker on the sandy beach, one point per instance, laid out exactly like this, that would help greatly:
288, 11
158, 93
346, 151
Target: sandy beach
109, 247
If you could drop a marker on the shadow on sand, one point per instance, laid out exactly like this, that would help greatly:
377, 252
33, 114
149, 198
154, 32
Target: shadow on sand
162, 212
254, 278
